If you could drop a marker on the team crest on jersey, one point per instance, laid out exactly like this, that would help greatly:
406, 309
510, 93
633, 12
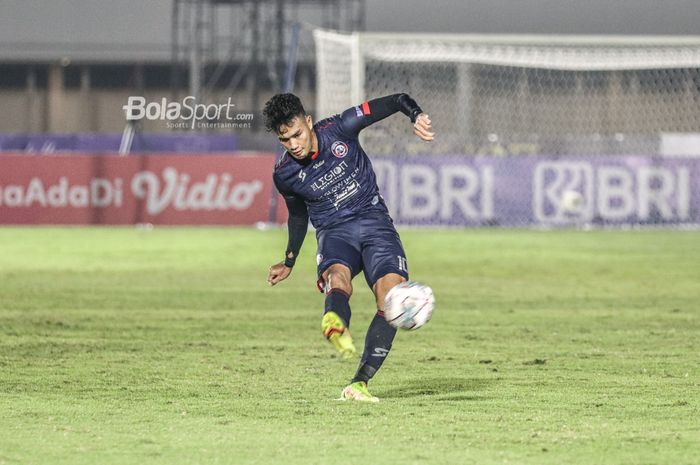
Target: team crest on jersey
339, 149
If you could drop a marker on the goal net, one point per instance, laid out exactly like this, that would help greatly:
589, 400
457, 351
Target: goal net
553, 96
520, 94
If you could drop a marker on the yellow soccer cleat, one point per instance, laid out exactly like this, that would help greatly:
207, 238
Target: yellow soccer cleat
338, 334
358, 391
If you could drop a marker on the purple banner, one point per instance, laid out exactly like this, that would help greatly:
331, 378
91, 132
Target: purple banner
547, 191
171, 143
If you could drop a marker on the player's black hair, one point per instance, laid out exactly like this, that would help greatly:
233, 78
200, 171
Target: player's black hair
282, 109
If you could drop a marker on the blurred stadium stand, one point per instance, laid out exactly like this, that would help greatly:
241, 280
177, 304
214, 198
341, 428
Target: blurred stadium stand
218, 49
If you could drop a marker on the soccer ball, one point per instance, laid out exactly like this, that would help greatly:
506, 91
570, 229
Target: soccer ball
572, 201
409, 305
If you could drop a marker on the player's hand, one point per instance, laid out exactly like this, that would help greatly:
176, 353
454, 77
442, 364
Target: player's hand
278, 272
422, 127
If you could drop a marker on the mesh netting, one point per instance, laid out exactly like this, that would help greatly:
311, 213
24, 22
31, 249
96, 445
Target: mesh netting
518, 95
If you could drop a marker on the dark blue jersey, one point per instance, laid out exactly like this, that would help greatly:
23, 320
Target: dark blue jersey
338, 182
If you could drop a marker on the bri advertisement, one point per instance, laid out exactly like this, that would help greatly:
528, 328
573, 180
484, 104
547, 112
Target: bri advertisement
540, 191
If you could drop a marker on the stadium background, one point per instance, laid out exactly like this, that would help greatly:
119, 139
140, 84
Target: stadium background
494, 98
568, 336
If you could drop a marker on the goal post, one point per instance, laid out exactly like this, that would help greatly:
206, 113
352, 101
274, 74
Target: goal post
339, 71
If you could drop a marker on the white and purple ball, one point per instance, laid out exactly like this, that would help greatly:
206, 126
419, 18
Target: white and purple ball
409, 305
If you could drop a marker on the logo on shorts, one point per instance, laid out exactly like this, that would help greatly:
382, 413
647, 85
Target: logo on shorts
339, 149
319, 259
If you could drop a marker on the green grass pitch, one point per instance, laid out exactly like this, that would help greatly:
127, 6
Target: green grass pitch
125, 346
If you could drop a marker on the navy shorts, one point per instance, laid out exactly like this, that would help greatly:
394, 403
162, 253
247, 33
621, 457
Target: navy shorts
368, 243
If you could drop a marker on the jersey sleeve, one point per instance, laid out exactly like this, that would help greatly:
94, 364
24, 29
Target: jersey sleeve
297, 222
355, 119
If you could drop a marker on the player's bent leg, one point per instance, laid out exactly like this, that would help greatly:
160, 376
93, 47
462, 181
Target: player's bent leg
335, 324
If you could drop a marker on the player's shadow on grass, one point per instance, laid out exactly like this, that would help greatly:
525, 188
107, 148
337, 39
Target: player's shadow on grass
445, 388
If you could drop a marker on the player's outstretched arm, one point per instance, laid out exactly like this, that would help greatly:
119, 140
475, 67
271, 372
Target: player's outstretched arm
357, 118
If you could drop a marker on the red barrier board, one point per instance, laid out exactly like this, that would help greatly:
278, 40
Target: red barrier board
158, 189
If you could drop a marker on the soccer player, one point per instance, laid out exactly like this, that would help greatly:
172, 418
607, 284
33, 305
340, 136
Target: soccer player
326, 176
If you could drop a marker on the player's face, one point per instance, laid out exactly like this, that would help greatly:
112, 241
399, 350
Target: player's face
297, 138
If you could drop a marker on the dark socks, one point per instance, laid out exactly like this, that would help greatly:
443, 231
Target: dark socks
339, 302
378, 341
